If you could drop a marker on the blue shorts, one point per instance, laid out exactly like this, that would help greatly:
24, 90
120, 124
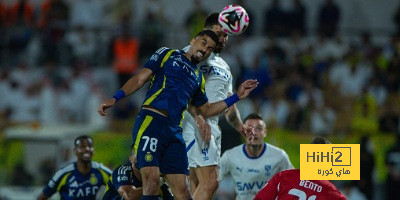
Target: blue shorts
157, 142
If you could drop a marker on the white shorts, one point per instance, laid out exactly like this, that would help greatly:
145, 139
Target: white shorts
200, 153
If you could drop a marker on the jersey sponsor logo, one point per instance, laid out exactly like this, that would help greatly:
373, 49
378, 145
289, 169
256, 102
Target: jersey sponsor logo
122, 178
83, 192
251, 170
243, 186
212, 70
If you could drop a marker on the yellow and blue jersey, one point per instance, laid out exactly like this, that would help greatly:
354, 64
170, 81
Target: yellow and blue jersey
175, 82
122, 175
71, 184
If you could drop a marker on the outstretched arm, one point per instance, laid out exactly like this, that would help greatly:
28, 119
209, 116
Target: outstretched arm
233, 117
211, 109
131, 86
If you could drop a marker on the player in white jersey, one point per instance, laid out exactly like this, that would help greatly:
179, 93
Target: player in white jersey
203, 148
252, 165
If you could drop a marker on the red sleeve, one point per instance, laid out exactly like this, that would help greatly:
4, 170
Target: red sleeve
270, 190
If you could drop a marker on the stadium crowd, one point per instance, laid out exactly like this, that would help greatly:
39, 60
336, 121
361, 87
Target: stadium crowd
55, 59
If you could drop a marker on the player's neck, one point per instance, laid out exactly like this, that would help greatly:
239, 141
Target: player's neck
254, 150
84, 166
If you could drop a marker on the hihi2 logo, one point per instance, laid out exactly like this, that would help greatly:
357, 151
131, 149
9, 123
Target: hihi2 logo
329, 162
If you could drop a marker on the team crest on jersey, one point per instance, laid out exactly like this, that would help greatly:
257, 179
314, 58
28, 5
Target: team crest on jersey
93, 179
148, 157
267, 170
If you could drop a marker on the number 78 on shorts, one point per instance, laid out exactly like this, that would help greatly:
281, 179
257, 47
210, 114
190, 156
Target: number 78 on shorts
329, 162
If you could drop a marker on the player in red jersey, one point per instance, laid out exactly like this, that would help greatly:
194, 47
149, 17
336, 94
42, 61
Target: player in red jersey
286, 185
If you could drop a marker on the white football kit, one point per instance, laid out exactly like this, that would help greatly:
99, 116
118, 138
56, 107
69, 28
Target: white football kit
251, 174
218, 84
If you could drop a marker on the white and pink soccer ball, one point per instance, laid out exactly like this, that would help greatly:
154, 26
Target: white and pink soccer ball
233, 19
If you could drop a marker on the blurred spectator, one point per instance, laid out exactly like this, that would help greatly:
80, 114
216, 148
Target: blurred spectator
275, 20
20, 177
322, 119
351, 191
87, 13
365, 120
53, 23
393, 74
21, 21
393, 167
195, 20
367, 165
297, 18
328, 18
152, 34
125, 55
83, 44
46, 169
396, 19
21, 13
275, 110
390, 118
250, 29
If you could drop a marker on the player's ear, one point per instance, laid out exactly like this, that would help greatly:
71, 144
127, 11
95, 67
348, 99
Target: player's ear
192, 41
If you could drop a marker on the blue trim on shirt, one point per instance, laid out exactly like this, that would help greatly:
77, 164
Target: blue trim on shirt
190, 145
245, 153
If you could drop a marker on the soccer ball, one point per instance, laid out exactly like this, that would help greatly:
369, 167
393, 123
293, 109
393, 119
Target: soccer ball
233, 19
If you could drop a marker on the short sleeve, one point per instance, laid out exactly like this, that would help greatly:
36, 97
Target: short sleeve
200, 96
286, 161
154, 63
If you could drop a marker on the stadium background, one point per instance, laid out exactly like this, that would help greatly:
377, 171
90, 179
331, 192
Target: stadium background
55, 69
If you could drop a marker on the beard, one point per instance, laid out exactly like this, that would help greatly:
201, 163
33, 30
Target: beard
194, 60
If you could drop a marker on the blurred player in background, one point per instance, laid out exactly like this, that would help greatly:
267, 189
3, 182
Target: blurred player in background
157, 134
286, 185
126, 183
253, 164
203, 149
81, 179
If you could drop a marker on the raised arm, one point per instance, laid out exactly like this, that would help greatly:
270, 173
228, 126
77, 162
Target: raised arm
232, 115
131, 86
211, 109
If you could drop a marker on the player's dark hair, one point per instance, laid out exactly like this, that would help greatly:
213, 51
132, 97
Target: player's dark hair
82, 137
211, 20
210, 34
320, 140
252, 116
